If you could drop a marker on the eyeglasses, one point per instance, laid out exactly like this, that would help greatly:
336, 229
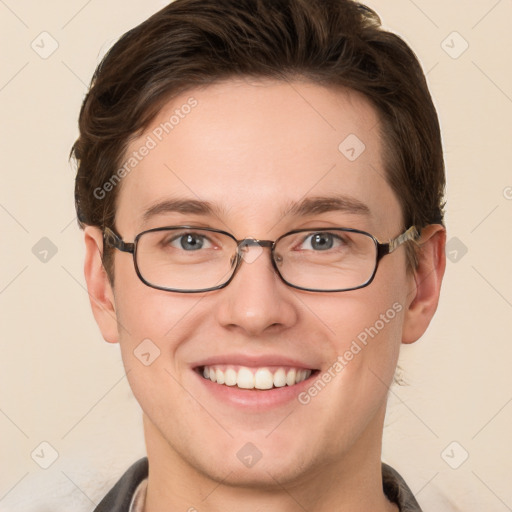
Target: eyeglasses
188, 259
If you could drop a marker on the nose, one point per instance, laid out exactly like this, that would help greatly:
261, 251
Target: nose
256, 300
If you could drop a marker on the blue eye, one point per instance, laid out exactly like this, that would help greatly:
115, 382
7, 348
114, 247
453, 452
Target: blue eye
189, 242
322, 241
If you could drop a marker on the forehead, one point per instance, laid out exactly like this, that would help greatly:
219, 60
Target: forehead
253, 150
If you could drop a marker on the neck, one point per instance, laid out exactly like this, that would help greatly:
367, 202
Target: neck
348, 482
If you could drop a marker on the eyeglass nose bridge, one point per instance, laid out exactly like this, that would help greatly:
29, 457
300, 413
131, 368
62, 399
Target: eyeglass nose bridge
254, 242
243, 254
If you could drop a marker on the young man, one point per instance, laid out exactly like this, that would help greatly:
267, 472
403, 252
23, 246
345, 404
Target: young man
260, 184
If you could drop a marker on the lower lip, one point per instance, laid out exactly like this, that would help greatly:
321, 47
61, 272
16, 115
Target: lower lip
256, 399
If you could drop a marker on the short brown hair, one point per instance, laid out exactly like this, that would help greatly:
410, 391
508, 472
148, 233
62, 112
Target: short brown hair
193, 43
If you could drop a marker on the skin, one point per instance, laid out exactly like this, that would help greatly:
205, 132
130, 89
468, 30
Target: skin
253, 148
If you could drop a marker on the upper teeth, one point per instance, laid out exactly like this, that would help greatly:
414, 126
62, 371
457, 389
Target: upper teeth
259, 378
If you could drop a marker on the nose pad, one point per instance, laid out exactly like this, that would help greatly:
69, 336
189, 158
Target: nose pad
250, 256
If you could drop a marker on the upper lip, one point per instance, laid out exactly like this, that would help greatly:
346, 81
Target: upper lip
254, 361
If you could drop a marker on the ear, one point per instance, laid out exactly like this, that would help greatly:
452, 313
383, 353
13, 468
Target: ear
101, 294
426, 282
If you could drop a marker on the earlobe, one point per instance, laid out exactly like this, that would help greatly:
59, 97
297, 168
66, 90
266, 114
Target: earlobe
426, 283
99, 288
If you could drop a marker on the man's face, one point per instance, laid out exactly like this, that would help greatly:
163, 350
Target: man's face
252, 151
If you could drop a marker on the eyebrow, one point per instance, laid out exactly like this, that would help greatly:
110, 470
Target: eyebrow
304, 208
324, 204
184, 206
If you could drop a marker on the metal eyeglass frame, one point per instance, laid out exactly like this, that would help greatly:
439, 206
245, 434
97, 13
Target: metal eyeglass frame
383, 248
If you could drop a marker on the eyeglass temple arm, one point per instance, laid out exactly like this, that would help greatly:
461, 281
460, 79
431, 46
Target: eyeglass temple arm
387, 248
114, 240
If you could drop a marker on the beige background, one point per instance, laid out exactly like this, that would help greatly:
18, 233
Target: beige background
61, 384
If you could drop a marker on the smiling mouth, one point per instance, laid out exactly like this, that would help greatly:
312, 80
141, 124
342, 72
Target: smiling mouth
264, 378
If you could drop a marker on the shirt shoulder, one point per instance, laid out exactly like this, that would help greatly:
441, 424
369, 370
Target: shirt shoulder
398, 491
119, 498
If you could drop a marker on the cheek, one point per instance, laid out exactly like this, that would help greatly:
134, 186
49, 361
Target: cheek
363, 344
133, 299
149, 322
144, 313
366, 332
